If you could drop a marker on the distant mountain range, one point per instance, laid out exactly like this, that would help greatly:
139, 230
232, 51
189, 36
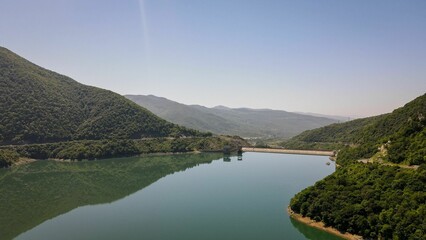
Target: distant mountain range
245, 122
39, 106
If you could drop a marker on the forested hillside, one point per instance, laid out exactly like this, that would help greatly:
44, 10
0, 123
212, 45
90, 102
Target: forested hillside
401, 133
367, 129
244, 122
371, 200
38, 105
382, 199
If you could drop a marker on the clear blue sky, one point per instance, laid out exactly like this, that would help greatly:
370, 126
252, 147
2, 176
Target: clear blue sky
333, 57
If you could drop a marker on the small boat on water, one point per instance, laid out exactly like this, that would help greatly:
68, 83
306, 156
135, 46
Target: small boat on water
328, 163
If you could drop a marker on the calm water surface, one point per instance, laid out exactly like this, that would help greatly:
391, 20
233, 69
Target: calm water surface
164, 197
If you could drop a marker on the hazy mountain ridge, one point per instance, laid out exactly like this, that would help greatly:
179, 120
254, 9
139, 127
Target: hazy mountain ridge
337, 117
244, 122
38, 105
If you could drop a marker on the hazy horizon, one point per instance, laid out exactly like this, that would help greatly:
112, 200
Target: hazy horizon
248, 107
358, 58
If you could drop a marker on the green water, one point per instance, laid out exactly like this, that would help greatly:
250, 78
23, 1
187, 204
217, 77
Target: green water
188, 197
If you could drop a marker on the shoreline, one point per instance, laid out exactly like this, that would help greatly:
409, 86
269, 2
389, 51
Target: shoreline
320, 225
138, 155
288, 151
24, 161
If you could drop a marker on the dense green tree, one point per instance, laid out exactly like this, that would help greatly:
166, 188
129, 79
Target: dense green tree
8, 157
370, 200
373, 200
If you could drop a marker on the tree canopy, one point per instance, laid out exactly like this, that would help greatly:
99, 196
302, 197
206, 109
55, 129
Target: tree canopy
374, 200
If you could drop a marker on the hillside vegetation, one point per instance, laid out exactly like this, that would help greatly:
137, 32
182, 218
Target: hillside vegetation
38, 106
99, 149
370, 200
244, 122
401, 133
368, 129
374, 200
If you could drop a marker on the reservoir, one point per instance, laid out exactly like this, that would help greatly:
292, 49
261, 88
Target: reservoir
184, 196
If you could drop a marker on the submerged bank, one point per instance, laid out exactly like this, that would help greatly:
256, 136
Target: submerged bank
288, 151
320, 225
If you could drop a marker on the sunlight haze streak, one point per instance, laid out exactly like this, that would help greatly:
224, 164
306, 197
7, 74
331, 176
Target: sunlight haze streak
145, 30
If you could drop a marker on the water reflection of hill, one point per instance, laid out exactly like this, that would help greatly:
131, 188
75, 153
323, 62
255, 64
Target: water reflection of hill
34, 193
312, 233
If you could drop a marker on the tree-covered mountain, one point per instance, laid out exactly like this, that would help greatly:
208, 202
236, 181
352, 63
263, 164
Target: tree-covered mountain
380, 198
244, 122
38, 105
368, 129
401, 133
371, 200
